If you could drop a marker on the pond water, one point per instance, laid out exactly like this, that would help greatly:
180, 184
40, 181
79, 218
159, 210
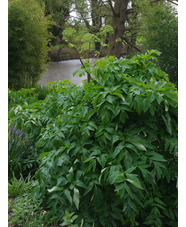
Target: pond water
62, 70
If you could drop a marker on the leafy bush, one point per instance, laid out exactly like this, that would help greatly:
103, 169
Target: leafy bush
160, 22
28, 95
21, 97
27, 42
27, 117
109, 152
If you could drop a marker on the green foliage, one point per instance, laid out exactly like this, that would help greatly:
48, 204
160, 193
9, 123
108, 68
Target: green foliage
68, 220
27, 42
21, 97
26, 96
22, 208
24, 211
83, 40
22, 156
109, 151
25, 125
42, 91
159, 30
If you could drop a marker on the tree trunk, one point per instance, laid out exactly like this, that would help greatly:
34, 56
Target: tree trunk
118, 23
96, 20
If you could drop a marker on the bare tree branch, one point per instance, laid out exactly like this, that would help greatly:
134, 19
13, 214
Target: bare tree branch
88, 75
110, 3
101, 47
173, 2
79, 57
107, 6
130, 11
131, 45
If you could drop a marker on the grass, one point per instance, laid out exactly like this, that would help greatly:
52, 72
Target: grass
17, 187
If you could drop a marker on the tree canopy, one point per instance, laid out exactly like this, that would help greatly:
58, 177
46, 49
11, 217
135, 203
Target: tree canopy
161, 25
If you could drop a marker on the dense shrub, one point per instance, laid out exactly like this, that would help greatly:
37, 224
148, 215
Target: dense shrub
27, 42
109, 151
159, 29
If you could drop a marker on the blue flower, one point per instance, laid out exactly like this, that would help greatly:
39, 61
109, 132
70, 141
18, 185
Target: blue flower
22, 134
18, 132
12, 130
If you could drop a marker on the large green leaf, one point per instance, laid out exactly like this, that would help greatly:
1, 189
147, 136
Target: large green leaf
68, 195
130, 170
137, 144
118, 149
119, 95
155, 156
134, 183
120, 189
76, 197
127, 188
133, 179
167, 121
116, 177
102, 160
55, 189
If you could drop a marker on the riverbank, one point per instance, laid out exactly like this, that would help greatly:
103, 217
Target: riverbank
60, 53
63, 53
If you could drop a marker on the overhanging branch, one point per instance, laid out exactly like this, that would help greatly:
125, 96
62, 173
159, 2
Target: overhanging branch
110, 3
130, 44
173, 2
